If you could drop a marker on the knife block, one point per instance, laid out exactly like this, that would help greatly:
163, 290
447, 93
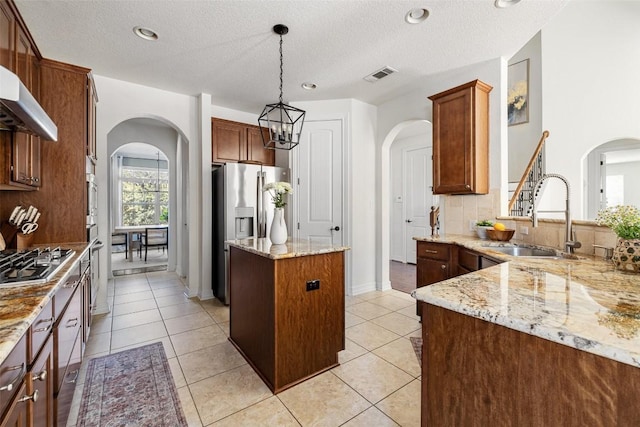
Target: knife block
23, 241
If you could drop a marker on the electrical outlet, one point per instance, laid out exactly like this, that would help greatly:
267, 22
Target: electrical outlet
524, 230
472, 224
313, 285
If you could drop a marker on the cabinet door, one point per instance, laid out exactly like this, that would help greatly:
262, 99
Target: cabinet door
228, 141
16, 415
431, 271
41, 381
452, 129
23, 57
6, 37
255, 146
26, 159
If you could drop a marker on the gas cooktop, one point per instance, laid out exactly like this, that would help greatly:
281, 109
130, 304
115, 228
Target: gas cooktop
32, 266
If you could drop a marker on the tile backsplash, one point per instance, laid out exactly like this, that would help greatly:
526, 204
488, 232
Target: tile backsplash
457, 212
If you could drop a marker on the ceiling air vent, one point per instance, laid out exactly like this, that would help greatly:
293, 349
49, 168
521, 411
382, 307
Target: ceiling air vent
381, 73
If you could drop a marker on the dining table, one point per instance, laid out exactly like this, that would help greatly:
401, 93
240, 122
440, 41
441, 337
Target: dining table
130, 230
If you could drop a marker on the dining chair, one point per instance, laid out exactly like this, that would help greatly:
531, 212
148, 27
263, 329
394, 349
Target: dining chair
118, 239
155, 237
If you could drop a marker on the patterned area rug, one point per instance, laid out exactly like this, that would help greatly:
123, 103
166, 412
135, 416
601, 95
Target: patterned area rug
131, 388
417, 347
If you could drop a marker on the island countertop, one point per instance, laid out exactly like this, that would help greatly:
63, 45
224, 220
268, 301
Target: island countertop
21, 305
290, 249
582, 303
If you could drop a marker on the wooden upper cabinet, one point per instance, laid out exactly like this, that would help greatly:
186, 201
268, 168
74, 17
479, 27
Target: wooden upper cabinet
237, 142
92, 101
255, 147
461, 139
7, 23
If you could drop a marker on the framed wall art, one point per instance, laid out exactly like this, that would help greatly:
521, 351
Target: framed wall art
518, 93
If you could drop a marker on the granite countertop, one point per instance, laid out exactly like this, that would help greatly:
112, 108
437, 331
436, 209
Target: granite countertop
291, 249
582, 303
21, 305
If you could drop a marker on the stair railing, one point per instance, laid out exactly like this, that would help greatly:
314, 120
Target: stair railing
522, 199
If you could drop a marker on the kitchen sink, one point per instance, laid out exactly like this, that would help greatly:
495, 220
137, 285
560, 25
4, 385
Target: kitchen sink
525, 251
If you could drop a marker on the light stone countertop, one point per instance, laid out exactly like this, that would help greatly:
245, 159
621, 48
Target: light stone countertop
582, 303
21, 305
291, 249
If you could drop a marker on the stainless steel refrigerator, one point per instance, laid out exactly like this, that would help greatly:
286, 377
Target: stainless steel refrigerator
240, 210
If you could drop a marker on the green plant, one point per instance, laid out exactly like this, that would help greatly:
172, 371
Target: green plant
484, 223
624, 220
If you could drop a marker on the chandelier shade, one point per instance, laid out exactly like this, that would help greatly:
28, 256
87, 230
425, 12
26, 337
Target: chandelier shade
283, 122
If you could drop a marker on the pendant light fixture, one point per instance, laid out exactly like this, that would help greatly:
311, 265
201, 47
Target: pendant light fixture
283, 122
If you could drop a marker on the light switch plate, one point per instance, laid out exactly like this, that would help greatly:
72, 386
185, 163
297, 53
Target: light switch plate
472, 224
524, 230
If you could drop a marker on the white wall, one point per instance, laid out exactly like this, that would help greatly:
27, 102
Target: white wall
524, 138
396, 113
120, 101
590, 90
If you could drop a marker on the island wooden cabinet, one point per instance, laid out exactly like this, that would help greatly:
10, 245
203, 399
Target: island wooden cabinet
461, 139
287, 315
238, 142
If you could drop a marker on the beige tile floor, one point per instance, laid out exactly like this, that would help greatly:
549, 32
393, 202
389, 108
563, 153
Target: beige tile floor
377, 383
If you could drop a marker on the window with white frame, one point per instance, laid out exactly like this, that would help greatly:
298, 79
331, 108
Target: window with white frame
144, 192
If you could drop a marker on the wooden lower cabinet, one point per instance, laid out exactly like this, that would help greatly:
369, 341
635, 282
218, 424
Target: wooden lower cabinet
286, 333
477, 373
40, 381
16, 415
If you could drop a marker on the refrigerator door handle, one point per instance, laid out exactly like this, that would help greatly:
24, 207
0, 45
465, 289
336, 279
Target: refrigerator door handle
262, 220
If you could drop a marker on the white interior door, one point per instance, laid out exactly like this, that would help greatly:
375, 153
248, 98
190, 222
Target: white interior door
418, 196
318, 178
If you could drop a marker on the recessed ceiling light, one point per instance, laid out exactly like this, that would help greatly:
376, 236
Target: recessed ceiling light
309, 86
416, 16
501, 4
145, 33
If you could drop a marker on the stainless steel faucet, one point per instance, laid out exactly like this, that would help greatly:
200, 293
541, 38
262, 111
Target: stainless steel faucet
570, 242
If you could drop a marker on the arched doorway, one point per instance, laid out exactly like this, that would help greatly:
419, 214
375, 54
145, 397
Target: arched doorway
151, 142
410, 134
140, 201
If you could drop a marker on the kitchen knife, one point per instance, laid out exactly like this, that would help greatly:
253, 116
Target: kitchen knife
21, 218
33, 214
29, 210
14, 214
35, 220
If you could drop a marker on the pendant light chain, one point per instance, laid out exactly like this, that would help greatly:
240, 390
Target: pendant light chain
281, 61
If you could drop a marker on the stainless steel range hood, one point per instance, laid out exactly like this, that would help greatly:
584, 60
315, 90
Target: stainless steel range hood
20, 111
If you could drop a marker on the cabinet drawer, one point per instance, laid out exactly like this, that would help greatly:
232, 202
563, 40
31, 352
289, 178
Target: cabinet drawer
69, 378
469, 260
12, 371
64, 336
434, 250
61, 298
40, 330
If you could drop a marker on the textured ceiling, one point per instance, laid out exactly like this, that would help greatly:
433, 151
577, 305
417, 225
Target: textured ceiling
226, 47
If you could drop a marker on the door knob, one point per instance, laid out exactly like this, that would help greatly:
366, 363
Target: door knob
408, 220
336, 228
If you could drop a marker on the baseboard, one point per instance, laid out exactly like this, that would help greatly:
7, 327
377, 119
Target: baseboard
205, 295
386, 286
363, 288
101, 309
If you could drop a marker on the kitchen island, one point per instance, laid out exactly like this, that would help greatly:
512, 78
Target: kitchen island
532, 341
287, 308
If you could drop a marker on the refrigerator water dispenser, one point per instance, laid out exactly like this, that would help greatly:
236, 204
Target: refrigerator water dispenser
244, 222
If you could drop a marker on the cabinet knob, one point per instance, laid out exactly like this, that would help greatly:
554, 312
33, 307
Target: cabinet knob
443, 267
33, 397
467, 186
41, 376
